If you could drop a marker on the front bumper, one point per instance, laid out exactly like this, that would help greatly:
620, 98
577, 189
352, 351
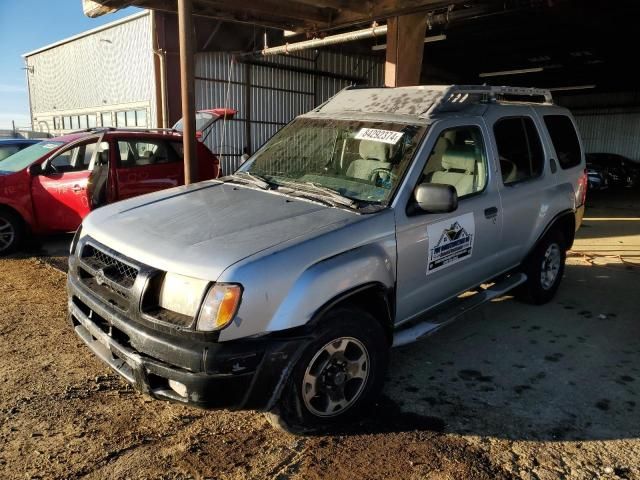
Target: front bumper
241, 374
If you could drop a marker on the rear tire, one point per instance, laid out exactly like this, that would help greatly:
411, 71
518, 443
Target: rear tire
11, 231
544, 269
339, 374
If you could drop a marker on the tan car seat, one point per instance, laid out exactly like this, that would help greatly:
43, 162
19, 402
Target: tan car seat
372, 155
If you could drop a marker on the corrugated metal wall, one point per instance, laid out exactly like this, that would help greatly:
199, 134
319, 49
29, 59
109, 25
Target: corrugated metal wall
609, 122
611, 132
267, 95
111, 67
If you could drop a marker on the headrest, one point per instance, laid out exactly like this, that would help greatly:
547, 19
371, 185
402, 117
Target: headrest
371, 150
459, 158
442, 145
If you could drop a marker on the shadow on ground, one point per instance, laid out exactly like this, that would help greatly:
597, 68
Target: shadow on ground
569, 370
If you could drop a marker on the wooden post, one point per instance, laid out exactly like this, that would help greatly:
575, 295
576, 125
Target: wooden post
187, 90
405, 44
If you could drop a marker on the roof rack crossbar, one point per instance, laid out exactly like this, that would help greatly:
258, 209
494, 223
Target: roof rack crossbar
458, 96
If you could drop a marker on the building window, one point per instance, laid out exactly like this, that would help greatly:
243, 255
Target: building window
141, 118
75, 122
66, 123
121, 119
83, 121
105, 119
56, 123
131, 118
91, 120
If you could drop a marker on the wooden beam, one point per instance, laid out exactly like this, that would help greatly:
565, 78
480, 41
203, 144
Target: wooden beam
187, 90
270, 8
405, 45
355, 6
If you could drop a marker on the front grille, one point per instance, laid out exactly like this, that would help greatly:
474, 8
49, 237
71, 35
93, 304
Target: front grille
114, 269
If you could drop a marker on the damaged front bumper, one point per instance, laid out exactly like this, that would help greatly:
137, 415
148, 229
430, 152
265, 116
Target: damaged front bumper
239, 374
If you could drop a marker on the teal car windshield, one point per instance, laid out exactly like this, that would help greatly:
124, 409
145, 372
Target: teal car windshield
22, 159
361, 160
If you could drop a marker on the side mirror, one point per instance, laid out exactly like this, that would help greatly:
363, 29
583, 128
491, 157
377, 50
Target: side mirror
35, 169
436, 198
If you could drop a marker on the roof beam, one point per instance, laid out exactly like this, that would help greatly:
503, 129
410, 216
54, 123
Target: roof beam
270, 8
356, 6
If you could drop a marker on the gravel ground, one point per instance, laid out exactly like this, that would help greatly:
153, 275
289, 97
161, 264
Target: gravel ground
511, 391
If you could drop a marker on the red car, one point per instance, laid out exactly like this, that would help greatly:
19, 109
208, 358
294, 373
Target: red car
51, 186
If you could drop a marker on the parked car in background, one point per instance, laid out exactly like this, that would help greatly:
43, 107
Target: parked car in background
355, 228
597, 179
51, 186
617, 170
9, 146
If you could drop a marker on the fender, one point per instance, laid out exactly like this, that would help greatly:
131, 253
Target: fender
332, 280
565, 215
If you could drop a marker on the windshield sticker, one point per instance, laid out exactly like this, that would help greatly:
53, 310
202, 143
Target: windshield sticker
376, 135
450, 242
49, 146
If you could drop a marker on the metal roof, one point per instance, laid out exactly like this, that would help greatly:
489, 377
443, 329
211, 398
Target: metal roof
87, 33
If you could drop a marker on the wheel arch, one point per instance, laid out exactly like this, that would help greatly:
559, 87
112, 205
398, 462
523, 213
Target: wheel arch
372, 297
565, 223
8, 208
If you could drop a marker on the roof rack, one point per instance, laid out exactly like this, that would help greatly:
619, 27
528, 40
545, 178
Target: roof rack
457, 97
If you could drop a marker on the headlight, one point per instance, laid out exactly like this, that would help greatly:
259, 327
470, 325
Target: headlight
74, 242
219, 307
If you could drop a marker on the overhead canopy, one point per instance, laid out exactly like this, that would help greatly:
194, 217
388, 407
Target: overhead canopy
297, 15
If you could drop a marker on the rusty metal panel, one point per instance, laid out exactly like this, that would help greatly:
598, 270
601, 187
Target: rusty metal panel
276, 95
105, 70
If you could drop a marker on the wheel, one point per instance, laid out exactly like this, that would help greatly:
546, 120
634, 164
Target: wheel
11, 231
544, 269
339, 373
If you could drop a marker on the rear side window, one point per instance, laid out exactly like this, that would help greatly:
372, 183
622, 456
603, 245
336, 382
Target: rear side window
565, 140
519, 149
136, 153
7, 150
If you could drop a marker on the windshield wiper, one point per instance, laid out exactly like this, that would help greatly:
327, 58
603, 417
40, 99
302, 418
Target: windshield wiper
252, 179
324, 192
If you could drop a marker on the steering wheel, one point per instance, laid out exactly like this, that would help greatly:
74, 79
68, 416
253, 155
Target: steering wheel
375, 174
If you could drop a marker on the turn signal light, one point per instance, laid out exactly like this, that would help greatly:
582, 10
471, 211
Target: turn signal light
219, 307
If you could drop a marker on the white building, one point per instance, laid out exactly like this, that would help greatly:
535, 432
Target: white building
101, 77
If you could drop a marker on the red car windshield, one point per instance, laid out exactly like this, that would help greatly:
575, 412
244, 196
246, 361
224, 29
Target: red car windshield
22, 159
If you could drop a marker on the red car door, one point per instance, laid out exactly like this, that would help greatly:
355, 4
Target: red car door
145, 165
59, 192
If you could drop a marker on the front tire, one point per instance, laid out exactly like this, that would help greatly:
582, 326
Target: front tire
339, 373
544, 269
11, 231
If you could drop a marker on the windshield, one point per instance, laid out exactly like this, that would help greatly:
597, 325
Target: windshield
362, 161
24, 158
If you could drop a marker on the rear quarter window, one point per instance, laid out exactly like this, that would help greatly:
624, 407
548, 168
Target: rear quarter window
565, 140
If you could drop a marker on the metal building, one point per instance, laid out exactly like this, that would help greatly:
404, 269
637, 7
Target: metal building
102, 77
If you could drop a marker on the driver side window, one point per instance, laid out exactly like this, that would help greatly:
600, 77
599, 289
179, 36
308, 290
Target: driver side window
74, 159
458, 159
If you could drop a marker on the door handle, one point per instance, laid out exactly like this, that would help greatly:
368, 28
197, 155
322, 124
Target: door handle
77, 188
491, 212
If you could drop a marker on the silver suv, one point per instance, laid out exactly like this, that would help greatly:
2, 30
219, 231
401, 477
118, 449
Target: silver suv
356, 228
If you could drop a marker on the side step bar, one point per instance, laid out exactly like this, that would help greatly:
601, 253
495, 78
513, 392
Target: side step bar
444, 317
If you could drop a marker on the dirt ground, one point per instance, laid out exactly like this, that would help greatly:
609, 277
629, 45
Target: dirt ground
510, 391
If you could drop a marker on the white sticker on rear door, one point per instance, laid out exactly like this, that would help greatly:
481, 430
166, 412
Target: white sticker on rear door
450, 242
376, 135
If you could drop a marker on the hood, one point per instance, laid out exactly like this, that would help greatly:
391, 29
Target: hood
203, 229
